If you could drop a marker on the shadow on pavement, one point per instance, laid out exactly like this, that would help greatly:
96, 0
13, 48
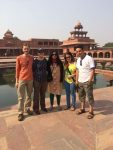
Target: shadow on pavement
104, 107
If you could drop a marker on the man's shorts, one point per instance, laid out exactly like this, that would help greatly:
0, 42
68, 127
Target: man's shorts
86, 89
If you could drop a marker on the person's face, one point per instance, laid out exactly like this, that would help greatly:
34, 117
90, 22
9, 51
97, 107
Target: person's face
68, 58
26, 50
41, 55
79, 52
54, 56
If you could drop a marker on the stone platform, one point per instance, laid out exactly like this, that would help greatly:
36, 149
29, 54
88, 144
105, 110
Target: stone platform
60, 130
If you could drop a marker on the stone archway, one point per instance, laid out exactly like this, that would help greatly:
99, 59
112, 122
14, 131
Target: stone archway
95, 55
100, 55
107, 55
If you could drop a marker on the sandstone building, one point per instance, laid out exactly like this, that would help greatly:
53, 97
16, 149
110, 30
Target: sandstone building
78, 37
12, 46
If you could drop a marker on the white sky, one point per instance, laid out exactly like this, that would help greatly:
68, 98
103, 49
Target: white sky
56, 18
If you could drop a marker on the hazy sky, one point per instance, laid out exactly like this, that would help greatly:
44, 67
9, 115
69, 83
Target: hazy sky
56, 18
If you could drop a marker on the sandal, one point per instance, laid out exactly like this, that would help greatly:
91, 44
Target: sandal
90, 115
81, 111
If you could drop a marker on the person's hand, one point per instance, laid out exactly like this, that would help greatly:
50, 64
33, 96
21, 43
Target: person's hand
16, 84
89, 82
77, 87
69, 76
76, 82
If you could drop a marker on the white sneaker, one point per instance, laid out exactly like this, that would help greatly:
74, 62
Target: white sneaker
72, 108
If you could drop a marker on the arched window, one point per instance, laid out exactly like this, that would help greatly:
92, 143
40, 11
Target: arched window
100, 55
107, 55
95, 55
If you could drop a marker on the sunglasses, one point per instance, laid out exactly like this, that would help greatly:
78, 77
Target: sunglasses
78, 51
68, 57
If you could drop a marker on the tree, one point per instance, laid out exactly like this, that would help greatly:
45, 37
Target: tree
108, 45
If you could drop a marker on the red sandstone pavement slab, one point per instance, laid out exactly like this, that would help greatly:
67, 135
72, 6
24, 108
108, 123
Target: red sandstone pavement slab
104, 124
81, 126
62, 130
50, 131
3, 127
110, 148
17, 138
61, 144
3, 144
104, 118
104, 139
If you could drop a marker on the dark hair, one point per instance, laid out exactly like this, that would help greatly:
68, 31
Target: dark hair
71, 55
40, 50
58, 61
79, 46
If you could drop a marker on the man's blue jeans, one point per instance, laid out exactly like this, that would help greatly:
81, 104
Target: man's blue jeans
70, 90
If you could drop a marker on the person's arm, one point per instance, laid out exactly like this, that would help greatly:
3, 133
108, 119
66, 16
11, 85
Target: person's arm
92, 67
92, 74
17, 72
34, 68
77, 74
49, 72
17, 81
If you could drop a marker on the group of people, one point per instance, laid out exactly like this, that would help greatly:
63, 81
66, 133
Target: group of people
39, 75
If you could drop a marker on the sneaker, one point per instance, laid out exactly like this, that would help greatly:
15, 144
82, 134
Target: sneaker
72, 108
29, 112
20, 117
44, 109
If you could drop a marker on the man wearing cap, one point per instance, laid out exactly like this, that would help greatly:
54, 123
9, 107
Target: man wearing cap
40, 82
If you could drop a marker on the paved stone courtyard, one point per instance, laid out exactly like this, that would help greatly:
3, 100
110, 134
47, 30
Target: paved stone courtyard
60, 130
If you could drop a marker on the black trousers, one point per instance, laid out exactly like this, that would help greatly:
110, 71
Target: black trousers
52, 99
39, 95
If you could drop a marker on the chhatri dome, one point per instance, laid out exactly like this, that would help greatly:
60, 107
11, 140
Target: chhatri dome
78, 26
8, 34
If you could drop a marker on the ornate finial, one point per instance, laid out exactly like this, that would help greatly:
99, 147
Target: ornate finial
78, 25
